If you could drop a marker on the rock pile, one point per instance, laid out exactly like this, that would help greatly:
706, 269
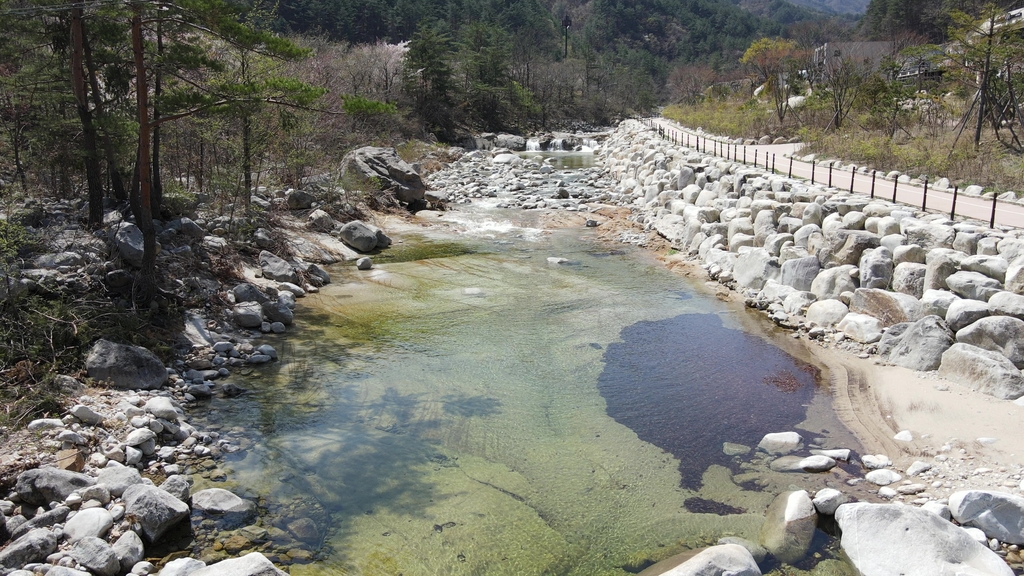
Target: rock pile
916, 288
122, 485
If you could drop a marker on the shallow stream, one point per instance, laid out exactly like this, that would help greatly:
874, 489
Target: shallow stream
469, 407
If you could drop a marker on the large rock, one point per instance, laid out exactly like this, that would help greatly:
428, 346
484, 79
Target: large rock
800, 273
383, 168
278, 312
922, 345
125, 367
888, 307
248, 314
129, 550
997, 514
276, 268
156, 510
32, 547
941, 264
962, 313
754, 268
861, 327
1002, 334
830, 283
299, 200
815, 463
162, 407
45, 485
1007, 304
885, 540
223, 505
128, 239
846, 248
97, 556
992, 266
929, 236
982, 370
828, 500
781, 442
182, 567
57, 515
246, 292
973, 285
937, 302
118, 479
827, 312
254, 564
359, 236
908, 278
876, 268
789, 526
721, 560
1015, 276
88, 523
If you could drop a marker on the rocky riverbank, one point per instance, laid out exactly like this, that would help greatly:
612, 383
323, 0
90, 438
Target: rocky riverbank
109, 484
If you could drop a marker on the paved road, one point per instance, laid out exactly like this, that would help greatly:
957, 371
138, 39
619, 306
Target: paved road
973, 207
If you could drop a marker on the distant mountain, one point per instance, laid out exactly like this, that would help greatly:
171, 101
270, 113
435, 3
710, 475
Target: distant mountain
856, 7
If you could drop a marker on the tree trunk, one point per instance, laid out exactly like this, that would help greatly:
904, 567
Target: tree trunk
113, 168
985, 79
158, 185
246, 161
92, 163
144, 216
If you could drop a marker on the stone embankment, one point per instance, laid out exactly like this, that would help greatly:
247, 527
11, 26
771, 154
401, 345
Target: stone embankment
914, 288
863, 275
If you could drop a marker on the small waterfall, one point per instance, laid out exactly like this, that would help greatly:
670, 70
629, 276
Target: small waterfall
533, 145
556, 145
589, 145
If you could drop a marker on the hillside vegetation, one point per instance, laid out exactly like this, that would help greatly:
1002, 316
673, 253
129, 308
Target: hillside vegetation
960, 119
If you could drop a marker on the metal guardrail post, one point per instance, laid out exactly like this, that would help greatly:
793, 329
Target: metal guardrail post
830, 174
992, 222
790, 166
874, 173
895, 183
853, 174
924, 199
814, 164
952, 211
773, 163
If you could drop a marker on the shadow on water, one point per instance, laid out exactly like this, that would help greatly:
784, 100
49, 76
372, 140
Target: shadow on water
328, 447
687, 383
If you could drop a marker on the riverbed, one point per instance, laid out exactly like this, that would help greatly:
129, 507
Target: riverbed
498, 398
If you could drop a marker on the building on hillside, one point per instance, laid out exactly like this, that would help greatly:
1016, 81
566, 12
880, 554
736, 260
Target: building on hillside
867, 54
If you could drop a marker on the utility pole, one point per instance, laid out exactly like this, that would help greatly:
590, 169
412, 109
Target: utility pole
566, 22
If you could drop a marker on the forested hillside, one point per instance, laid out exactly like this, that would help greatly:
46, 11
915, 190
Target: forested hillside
689, 30
836, 6
928, 19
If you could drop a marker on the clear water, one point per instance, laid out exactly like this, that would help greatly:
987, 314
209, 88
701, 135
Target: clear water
562, 160
489, 412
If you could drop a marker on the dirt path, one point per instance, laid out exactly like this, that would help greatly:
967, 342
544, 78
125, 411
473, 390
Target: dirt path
772, 156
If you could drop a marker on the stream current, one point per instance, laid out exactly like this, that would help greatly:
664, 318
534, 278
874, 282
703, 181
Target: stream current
471, 408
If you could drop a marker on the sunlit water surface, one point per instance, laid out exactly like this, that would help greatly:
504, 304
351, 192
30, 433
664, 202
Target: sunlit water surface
487, 412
